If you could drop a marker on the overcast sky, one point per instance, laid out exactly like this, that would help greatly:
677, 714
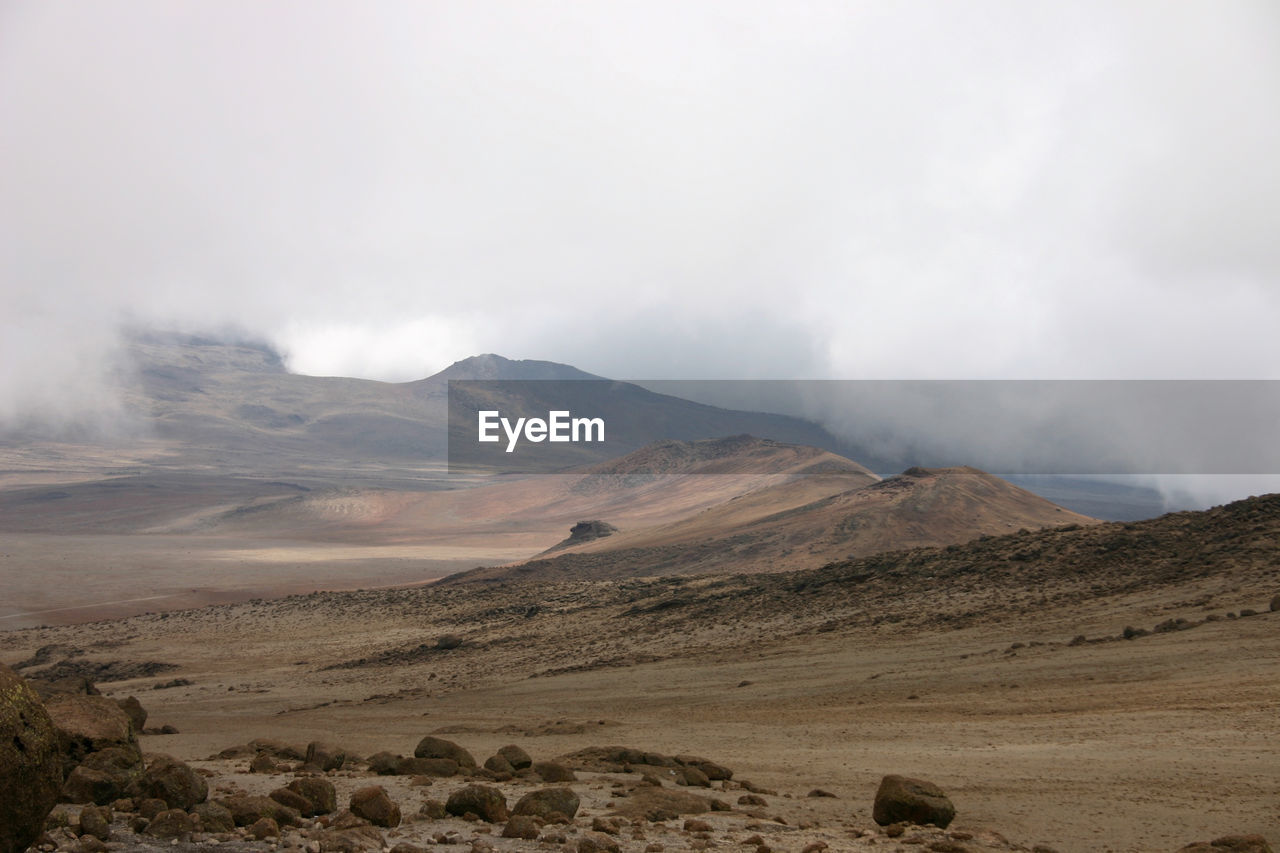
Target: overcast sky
649, 189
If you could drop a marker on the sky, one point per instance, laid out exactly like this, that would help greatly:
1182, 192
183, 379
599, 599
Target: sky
905, 190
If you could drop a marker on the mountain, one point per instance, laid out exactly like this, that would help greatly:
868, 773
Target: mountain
803, 523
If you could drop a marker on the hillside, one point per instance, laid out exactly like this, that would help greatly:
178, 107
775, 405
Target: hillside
803, 524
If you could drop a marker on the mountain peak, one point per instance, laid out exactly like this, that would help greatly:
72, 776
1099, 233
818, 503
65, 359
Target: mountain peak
492, 366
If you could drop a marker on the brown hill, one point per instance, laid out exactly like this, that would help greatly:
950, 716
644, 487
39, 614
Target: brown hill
805, 523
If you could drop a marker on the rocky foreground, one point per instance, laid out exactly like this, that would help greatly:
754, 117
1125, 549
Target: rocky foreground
74, 777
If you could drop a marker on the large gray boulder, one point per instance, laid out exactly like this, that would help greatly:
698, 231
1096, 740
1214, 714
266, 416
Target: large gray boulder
30, 763
904, 800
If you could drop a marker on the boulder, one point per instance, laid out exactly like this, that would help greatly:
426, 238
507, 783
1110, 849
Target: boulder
552, 771
662, 803
135, 712
325, 756
86, 785
247, 810
499, 765
319, 792
166, 778
123, 764
415, 766
376, 806
543, 803
96, 821
521, 826
292, 799
214, 817
172, 823
87, 724
515, 756
904, 800
30, 763
484, 801
434, 747
1230, 844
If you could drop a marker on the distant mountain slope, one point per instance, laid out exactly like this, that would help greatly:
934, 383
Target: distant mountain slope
792, 525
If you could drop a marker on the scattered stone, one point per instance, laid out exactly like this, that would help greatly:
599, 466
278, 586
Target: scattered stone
595, 842
319, 792
546, 801
246, 810
432, 810
656, 804
292, 799
374, 805
87, 724
498, 765
214, 817
135, 712
96, 821
171, 823
519, 759
325, 756
264, 828
551, 771
1232, 843
900, 798
484, 801
434, 747
521, 826
166, 778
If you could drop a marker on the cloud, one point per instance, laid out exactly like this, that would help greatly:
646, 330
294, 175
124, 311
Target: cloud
846, 190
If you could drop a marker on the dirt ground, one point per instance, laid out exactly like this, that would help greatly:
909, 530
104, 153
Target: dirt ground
1147, 744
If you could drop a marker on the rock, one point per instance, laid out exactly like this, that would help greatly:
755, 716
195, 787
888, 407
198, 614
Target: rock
693, 777
521, 826
319, 792
123, 764
516, 757
406, 847
87, 724
292, 799
901, 799
546, 801
30, 763
166, 778
374, 805
714, 772
385, 763
752, 800
1275, 603
434, 747
432, 810
262, 763
356, 839
135, 712
662, 803
484, 801
498, 764
695, 825
149, 807
96, 821
246, 810
264, 828
171, 823
1232, 843
596, 842
552, 771
819, 792
277, 748
325, 756
86, 785
214, 817
448, 642
427, 767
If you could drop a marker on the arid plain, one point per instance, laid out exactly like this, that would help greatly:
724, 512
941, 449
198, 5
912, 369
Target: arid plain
1070, 684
